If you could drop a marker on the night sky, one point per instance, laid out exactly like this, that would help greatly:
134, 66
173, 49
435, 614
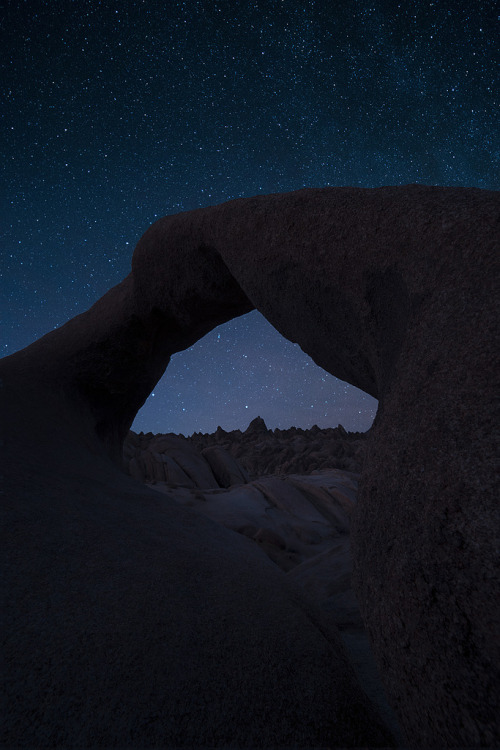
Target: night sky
117, 113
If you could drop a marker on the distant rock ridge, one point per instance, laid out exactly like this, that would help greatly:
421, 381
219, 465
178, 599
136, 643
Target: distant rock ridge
257, 451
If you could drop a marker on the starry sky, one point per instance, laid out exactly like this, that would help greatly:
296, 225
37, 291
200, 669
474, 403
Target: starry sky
117, 113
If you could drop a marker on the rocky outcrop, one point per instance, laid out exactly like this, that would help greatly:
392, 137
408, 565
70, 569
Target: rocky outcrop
291, 518
302, 523
236, 456
167, 458
226, 469
261, 451
308, 511
393, 290
256, 427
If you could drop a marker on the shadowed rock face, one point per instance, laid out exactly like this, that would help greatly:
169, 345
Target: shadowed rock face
393, 290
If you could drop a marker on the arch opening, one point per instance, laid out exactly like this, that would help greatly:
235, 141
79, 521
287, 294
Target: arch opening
245, 368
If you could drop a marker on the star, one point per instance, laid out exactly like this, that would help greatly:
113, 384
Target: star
114, 118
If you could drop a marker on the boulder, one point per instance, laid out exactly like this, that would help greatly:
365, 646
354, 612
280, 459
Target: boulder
225, 468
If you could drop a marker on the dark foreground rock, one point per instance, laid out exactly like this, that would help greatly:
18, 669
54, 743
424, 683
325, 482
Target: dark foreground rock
132, 620
302, 524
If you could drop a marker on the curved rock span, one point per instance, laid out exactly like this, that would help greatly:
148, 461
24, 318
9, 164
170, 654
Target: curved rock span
133, 621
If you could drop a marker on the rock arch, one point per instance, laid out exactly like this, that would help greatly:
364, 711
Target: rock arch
392, 290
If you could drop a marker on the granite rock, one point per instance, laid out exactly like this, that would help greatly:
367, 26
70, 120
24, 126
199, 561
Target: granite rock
235, 457
394, 290
226, 469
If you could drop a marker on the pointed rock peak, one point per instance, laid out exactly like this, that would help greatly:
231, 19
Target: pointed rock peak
256, 425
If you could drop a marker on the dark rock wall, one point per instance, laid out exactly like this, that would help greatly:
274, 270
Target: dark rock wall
394, 290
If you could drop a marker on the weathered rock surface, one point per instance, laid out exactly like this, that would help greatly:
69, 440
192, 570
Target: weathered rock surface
236, 456
167, 458
394, 290
290, 518
301, 523
131, 621
227, 471
261, 451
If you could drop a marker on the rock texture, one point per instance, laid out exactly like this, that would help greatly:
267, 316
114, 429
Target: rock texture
302, 524
394, 290
291, 518
236, 456
289, 451
132, 621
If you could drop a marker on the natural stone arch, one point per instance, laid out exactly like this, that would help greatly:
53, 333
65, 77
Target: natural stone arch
393, 291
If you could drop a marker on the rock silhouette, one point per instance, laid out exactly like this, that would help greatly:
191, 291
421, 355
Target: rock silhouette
241, 455
131, 620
